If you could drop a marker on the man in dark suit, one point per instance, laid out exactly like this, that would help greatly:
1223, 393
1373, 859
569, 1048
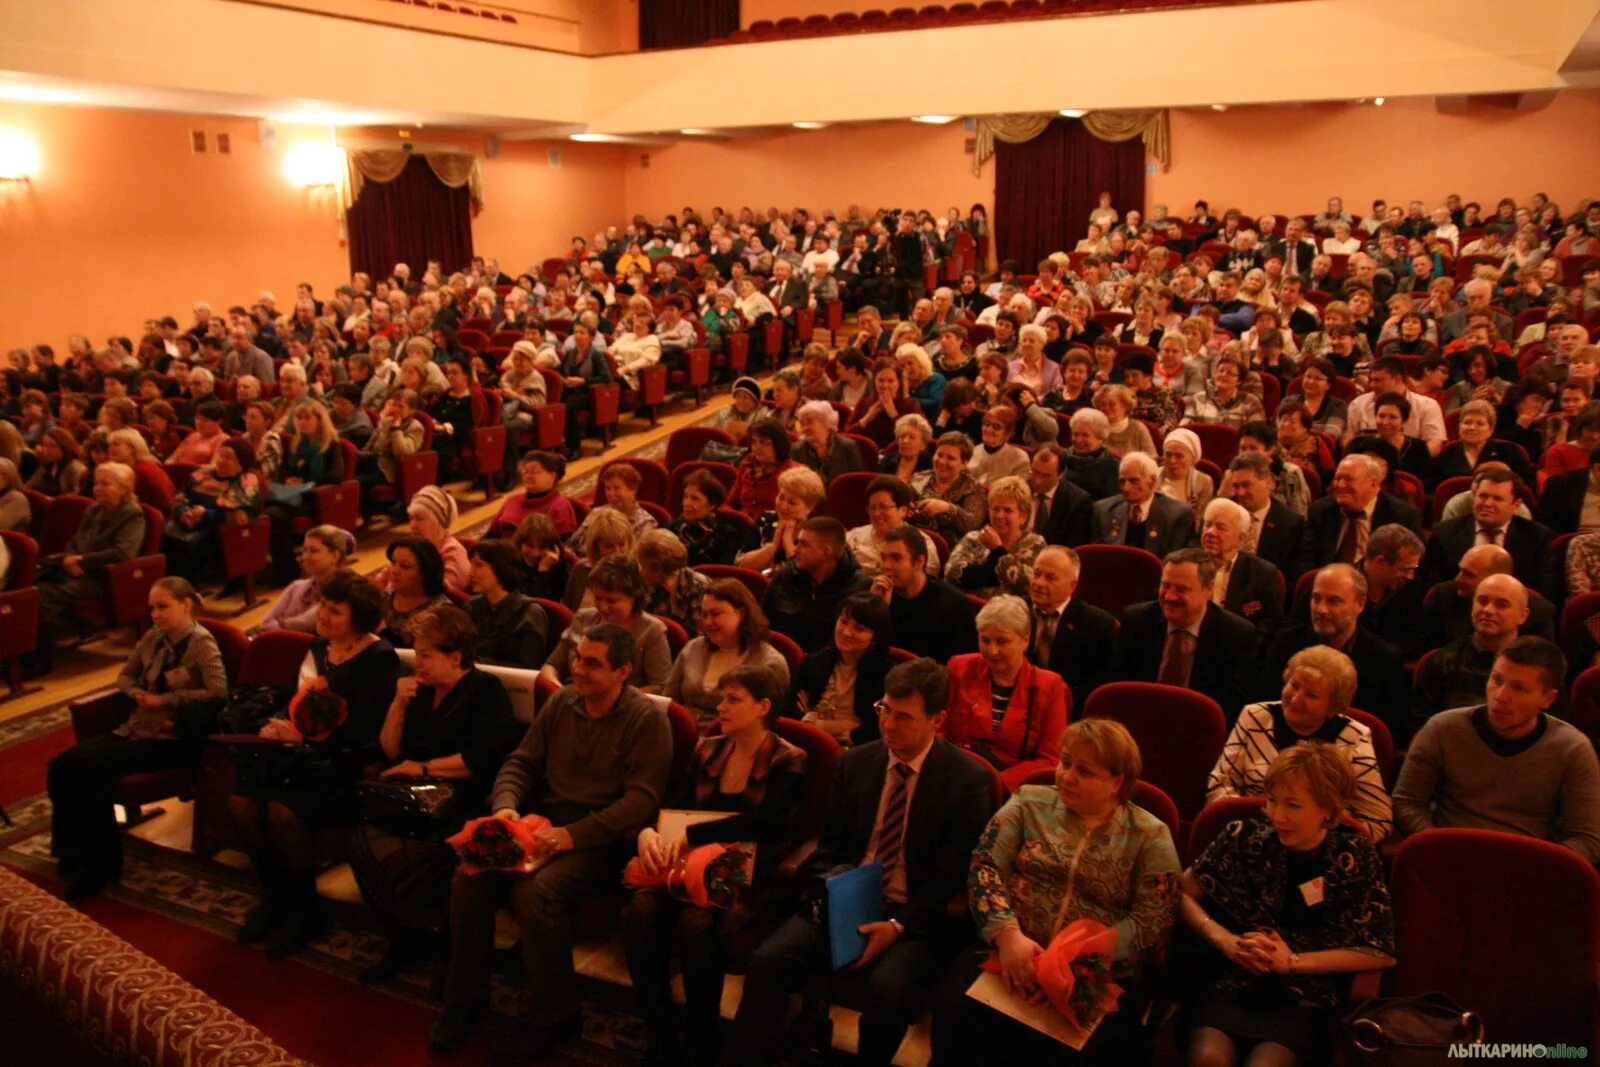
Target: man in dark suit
1141, 517
1070, 636
1338, 525
1183, 639
1561, 503
1275, 530
1338, 595
1493, 521
1246, 585
1063, 513
916, 804
931, 617
1297, 249
1447, 607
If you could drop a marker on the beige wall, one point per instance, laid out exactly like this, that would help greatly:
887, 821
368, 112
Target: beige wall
888, 164
531, 210
124, 222
1291, 159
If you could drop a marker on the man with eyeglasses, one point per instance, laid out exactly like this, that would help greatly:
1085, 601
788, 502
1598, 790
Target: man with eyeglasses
916, 804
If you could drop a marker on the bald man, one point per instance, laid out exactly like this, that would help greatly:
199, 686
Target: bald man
1338, 595
1447, 608
1456, 675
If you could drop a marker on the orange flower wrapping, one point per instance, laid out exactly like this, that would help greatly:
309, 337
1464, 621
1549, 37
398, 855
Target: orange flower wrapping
710, 876
494, 844
317, 713
1075, 972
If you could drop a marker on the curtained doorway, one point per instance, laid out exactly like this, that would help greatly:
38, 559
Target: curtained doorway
410, 220
1044, 189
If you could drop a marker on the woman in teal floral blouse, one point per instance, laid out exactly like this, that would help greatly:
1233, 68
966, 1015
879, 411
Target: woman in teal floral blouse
1292, 904
1052, 855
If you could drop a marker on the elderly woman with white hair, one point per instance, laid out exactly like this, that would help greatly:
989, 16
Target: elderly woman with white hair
1089, 464
998, 557
1031, 368
1003, 708
912, 451
1318, 685
924, 384
820, 446
1180, 478
1124, 433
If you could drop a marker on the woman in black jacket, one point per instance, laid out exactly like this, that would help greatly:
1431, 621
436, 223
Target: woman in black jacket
837, 688
449, 721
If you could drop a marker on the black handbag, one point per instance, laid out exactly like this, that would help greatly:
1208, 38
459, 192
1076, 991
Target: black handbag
412, 807
718, 452
249, 707
1408, 1031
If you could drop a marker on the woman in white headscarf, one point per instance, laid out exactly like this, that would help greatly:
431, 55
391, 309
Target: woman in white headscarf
1180, 478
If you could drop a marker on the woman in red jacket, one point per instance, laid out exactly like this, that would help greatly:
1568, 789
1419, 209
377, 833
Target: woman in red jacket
755, 489
1002, 707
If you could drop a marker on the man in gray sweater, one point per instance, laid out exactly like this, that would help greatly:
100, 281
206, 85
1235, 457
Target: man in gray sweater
1507, 765
594, 762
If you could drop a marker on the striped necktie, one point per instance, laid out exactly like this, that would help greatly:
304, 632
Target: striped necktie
892, 832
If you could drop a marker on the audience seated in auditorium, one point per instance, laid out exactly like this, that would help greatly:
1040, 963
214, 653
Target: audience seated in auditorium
1506, 764
950, 500
609, 535
175, 680
1246, 585
804, 594
837, 688
1126, 868
448, 721
286, 793
618, 594
998, 558
412, 582
545, 570
541, 473
933, 804
675, 589
1140, 516
732, 635
510, 629
1254, 990
594, 764
323, 551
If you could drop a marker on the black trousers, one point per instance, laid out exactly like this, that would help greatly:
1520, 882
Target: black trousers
966, 1032
82, 783
898, 985
656, 927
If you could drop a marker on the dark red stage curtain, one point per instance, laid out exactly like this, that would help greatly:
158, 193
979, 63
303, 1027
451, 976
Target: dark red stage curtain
1044, 189
685, 23
410, 220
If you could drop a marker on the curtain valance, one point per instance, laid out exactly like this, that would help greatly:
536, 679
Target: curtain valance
1151, 125
454, 169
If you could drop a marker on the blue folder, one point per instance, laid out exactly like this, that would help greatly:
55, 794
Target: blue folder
854, 899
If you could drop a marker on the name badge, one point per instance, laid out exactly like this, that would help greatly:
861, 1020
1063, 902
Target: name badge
1311, 892
177, 677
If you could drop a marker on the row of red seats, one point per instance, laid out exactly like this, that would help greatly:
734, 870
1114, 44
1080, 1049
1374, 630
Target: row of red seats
935, 16
461, 9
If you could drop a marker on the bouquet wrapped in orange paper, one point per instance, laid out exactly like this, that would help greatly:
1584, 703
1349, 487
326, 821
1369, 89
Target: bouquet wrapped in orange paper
317, 713
1075, 972
710, 876
495, 844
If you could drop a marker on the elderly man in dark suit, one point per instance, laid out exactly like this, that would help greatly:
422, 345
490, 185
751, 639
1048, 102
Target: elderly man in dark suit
1338, 595
1142, 517
1493, 521
915, 803
1246, 585
1063, 513
1183, 639
1070, 636
1338, 525
1275, 530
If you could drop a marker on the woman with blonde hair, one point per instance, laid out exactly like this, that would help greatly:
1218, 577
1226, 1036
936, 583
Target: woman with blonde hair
151, 483
324, 551
800, 492
15, 512
610, 534
998, 557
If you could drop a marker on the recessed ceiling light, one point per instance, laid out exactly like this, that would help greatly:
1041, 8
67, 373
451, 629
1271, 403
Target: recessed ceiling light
591, 138
695, 131
1219, 107
809, 125
934, 120
1377, 101
1073, 112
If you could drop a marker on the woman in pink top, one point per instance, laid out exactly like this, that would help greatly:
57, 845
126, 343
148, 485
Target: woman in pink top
201, 446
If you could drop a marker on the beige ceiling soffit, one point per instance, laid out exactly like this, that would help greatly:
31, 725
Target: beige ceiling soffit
544, 133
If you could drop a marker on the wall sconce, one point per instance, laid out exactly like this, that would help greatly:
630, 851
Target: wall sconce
19, 156
318, 167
